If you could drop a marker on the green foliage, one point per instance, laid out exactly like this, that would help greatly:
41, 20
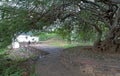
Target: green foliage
12, 71
12, 25
21, 18
76, 31
3, 51
46, 36
7, 68
28, 15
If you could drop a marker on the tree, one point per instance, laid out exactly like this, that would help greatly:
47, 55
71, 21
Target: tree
103, 15
105, 12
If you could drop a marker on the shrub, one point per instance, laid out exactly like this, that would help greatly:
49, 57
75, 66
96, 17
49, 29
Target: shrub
47, 36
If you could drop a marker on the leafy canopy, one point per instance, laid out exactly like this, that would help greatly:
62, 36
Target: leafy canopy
67, 17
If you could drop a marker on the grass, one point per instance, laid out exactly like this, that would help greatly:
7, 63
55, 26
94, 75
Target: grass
20, 55
3, 51
65, 44
10, 67
12, 71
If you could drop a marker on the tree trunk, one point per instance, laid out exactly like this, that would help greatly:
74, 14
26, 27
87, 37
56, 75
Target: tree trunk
111, 43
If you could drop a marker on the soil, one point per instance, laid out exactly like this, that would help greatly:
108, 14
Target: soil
52, 65
76, 61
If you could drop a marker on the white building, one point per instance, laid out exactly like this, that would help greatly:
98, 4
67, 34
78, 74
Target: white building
15, 45
27, 38
24, 38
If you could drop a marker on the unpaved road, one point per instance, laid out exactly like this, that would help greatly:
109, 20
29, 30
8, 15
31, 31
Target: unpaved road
76, 62
50, 64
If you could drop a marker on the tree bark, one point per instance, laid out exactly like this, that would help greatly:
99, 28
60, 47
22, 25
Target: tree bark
111, 43
99, 34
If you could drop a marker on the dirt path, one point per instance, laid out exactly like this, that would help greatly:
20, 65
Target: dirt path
50, 65
75, 62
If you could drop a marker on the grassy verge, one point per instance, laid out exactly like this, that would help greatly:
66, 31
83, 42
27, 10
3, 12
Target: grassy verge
64, 44
12, 65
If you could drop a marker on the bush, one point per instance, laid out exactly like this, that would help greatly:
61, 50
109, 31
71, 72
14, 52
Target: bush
47, 36
7, 66
12, 71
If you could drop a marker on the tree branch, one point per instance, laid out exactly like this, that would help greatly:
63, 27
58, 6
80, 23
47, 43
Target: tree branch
97, 29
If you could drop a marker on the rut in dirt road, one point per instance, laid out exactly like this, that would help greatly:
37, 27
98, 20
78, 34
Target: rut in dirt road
50, 65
